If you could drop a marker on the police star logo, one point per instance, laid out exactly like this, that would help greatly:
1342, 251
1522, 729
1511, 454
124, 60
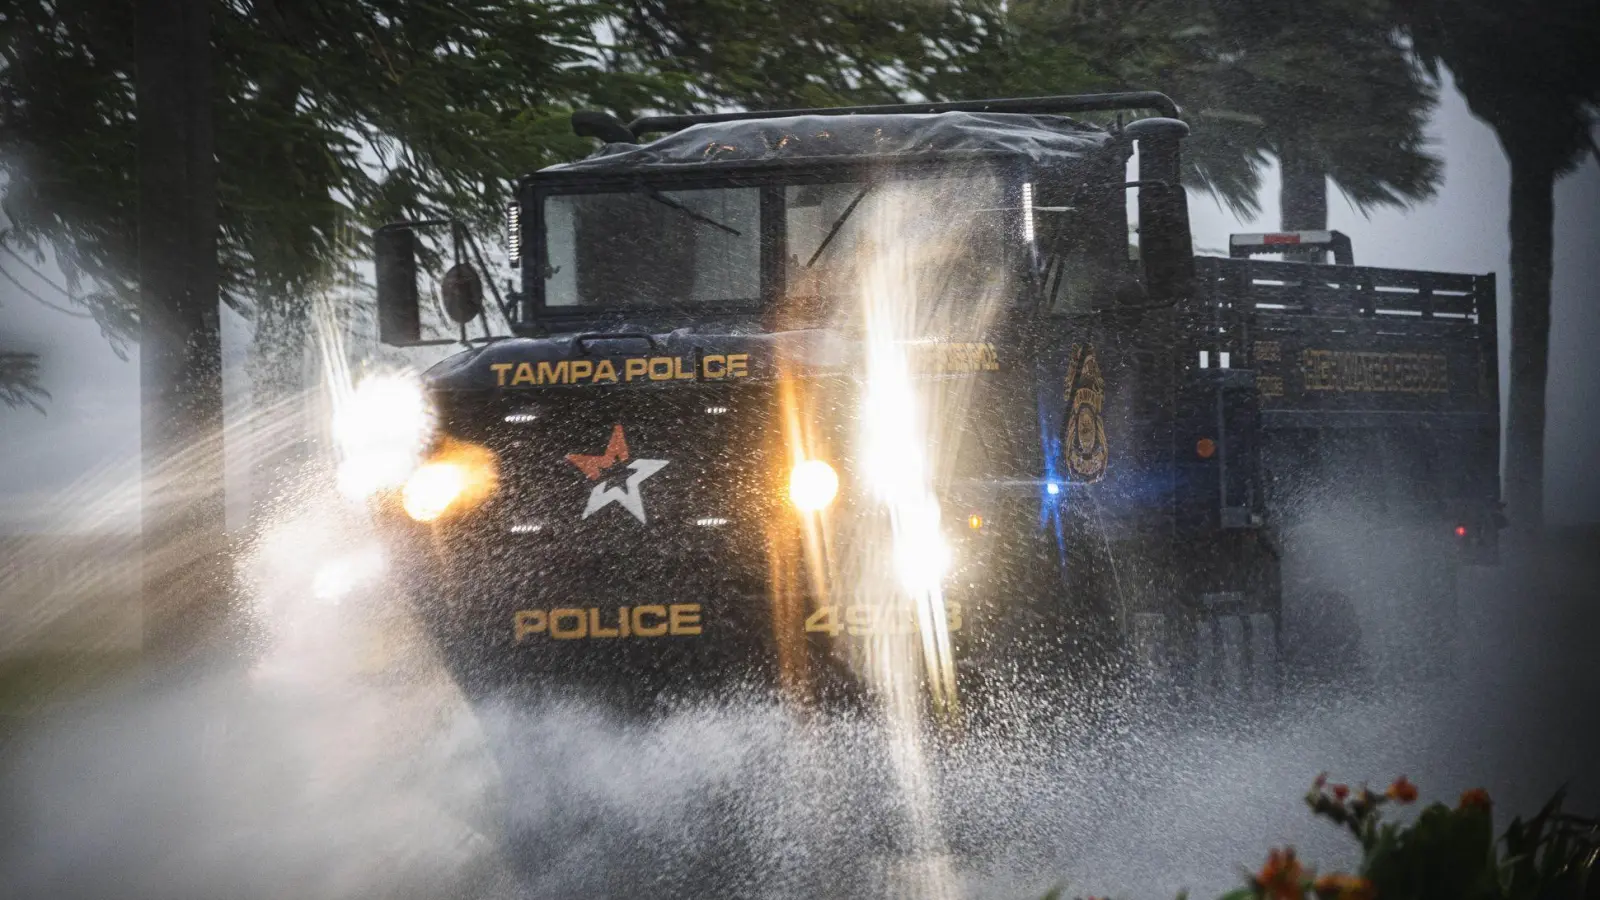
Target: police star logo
610, 466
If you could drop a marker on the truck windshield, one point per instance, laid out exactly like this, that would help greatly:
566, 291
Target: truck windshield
653, 248
952, 231
648, 247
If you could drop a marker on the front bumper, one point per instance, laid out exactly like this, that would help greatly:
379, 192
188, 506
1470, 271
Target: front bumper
528, 616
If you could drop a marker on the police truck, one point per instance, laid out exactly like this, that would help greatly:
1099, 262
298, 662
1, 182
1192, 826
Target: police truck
792, 399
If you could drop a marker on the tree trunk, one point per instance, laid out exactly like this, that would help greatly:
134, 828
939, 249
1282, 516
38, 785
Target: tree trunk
186, 576
1532, 213
1302, 196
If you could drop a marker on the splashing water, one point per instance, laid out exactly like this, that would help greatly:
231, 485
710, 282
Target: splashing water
343, 763
910, 295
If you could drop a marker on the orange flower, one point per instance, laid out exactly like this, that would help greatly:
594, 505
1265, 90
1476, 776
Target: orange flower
1477, 798
1282, 878
1344, 887
1341, 791
1402, 791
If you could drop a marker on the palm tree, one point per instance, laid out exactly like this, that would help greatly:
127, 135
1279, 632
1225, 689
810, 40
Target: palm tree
1059, 46
1326, 88
1337, 95
763, 55
1531, 70
19, 381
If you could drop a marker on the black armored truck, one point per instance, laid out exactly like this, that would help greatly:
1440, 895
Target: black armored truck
934, 398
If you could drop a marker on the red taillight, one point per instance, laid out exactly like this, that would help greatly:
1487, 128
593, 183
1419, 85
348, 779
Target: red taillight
1461, 531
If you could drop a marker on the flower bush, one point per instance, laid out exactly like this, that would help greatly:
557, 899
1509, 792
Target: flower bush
1445, 853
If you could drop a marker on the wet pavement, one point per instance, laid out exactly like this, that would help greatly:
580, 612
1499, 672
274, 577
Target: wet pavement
342, 764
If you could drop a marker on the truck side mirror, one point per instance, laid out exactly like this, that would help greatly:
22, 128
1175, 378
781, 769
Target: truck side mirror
462, 292
394, 250
1165, 245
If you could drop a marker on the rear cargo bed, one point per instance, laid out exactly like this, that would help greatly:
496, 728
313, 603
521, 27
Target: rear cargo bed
1352, 346
1381, 381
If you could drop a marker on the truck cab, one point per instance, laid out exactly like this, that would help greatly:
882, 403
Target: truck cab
837, 403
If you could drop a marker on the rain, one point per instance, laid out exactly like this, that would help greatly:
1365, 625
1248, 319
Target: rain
952, 465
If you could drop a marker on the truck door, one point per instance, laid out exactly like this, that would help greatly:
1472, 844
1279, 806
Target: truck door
1105, 392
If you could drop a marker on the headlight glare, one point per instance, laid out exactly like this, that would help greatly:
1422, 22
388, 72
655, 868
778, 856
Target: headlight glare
381, 428
812, 485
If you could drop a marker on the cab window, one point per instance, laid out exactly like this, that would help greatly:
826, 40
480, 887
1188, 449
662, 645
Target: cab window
1084, 245
653, 249
955, 232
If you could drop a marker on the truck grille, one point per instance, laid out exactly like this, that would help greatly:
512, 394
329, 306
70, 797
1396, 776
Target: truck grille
691, 461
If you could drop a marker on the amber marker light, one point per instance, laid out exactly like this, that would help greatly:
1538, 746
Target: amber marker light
460, 476
812, 485
1205, 448
975, 521
431, 489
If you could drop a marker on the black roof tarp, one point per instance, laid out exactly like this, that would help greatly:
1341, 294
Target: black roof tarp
1039, 138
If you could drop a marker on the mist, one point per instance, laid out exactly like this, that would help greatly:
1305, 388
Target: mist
342, 762
323, 751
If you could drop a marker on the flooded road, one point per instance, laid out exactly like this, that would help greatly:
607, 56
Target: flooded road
343, 764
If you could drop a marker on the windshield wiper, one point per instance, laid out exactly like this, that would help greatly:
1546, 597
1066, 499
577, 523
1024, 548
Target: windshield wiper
838, 224
664, 200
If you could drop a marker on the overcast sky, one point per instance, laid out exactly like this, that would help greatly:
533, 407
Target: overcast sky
88, 444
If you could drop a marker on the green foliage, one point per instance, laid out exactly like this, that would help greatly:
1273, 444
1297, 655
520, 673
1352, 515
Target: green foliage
1329, 83
824, 53
327, 116
1332, 85
332, 117
19, 381
66, 141
1527, 67
1165, 45
1448, 853
1445, 853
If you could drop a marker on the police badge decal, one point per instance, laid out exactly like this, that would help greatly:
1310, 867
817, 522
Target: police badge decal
1085, 437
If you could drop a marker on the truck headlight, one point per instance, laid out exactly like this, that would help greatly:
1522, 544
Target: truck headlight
812, 485
381, 428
